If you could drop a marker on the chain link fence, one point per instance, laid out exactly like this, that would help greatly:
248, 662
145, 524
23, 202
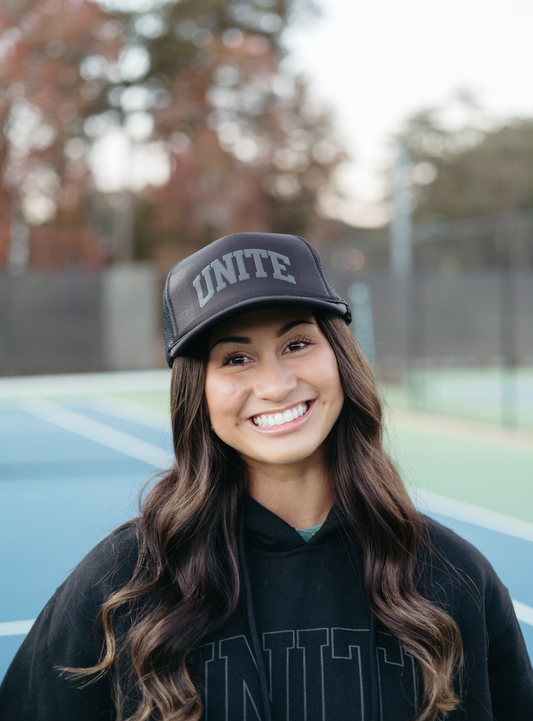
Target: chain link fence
455, 335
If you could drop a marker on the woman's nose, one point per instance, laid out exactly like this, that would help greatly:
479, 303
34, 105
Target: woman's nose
273, 381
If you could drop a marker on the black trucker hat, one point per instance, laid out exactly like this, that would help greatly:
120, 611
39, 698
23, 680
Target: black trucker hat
238, 273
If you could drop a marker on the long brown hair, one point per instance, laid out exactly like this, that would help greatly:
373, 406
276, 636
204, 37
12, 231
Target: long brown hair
188, 556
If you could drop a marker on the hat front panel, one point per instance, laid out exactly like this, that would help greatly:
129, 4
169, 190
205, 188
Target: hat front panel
237, 269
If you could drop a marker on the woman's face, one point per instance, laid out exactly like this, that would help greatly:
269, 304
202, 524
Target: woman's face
272, 386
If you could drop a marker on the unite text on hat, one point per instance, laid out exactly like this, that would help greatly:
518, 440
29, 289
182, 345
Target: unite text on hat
227, 272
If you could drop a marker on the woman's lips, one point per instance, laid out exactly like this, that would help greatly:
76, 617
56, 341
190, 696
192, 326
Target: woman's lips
286, 426
279, 418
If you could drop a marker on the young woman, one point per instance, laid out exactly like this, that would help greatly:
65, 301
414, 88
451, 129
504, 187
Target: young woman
278, 571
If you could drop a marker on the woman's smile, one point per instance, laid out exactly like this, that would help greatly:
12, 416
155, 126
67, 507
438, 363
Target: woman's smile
281, 420
272, 386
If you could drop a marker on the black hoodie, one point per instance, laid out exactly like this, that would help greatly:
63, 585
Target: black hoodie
303, 645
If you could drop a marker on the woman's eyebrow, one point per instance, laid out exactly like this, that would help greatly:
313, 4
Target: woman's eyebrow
291, 325
246, 340
232, 339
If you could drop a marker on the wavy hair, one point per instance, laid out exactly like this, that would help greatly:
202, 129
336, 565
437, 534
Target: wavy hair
188, 557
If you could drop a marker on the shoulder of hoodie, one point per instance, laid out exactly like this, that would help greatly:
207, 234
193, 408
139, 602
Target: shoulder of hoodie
442, 545
104, 570
463, 579
109, 565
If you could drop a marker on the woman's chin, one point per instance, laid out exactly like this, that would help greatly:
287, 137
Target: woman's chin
289, 456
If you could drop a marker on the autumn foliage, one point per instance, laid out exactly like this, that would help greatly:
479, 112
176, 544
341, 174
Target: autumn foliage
218, 138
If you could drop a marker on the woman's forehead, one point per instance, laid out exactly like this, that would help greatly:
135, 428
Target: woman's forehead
258, 321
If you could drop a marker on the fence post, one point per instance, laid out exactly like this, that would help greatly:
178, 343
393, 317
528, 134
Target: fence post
508, 335
363, 321
405, 297
130, 316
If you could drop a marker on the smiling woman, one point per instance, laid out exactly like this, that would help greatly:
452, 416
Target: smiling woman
279, 569
273, 394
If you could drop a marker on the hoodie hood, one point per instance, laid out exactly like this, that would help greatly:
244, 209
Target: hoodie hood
306, 613
264, 531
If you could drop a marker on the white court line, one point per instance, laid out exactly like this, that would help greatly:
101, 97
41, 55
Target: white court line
461, 511
523, 612
83, 383
16, 628
159, 458
130, 411
101, 433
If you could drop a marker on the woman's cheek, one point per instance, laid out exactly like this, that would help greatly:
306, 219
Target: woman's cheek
227, 398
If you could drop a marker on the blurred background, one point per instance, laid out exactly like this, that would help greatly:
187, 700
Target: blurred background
397, 138
136, 131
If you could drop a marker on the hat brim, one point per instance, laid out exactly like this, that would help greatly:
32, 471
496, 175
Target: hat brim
248, 305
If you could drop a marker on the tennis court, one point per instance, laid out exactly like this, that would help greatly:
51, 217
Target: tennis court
76, 450
491, 395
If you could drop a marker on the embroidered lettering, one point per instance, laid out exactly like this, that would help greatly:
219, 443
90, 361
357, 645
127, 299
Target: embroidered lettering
312, 675
221, 271
241, 679
204, 656
257, 254
277, 260
394, 664
313, 642
243, 275
225, 272
347, 644
278, 644
206, 272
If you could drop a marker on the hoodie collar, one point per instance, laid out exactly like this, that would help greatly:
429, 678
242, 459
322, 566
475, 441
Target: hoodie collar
266, 531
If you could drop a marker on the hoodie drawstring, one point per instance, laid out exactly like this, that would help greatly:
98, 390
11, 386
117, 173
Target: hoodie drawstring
374, 698
247, 586
374, 714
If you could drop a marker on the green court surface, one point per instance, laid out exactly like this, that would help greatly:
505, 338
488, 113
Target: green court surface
466, 462
158, 400
477, 463
489, 395
469, 462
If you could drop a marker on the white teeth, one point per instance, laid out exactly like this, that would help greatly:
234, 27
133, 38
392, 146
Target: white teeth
278, 419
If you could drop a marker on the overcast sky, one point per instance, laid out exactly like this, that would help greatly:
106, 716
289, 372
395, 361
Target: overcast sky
377, 62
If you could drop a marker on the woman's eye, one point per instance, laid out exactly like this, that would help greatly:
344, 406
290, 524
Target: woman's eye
297, 345
236, 360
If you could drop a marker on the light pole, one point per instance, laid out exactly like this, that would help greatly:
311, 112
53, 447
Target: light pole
409, 328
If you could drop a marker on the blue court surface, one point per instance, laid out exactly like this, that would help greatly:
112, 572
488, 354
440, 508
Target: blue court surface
75, 452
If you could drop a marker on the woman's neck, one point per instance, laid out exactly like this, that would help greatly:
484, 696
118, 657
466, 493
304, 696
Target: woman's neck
299, 493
